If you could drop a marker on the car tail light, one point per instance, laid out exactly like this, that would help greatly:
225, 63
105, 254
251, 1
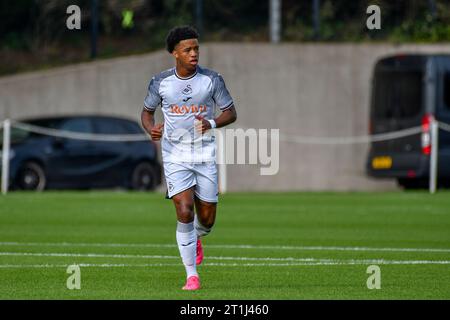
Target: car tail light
370, 127
426, 135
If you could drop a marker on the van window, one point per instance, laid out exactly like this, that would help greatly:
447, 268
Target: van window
398, 94
447, 90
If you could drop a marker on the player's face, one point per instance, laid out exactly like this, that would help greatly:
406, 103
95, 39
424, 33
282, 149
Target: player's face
187, 54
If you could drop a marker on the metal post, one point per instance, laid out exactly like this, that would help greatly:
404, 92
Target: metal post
434, 155
94, 28
199, 17
432, 7
222, 163
275, 20
5, 154
316, 19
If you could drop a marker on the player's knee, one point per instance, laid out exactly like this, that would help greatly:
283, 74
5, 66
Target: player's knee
209, 223
185, 213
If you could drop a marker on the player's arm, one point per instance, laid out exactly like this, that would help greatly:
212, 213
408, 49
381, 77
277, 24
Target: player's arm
225, 118
223, 99
148, 123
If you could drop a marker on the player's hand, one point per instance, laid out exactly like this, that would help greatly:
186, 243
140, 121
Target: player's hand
202, 125
156, 132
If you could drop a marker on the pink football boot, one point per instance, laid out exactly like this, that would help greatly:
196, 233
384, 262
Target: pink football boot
192, 283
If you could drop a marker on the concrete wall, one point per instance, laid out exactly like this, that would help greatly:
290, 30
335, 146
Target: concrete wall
320, 90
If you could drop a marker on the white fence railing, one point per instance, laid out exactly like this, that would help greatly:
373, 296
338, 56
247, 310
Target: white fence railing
7, 124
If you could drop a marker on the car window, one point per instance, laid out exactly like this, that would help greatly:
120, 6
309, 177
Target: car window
47, 123
110, 126
77, 125
133, 128
20, 135
17, 135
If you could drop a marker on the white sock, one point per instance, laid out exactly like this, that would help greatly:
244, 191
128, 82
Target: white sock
187, 244
200, 229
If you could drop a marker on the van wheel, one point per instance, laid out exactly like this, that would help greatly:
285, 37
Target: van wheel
444, 183
144, 177
408, 183
31, 177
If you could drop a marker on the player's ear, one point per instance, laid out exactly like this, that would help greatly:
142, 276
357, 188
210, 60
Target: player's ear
174, 52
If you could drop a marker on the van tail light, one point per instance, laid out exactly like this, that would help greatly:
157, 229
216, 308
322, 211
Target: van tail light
411, 174
426, 134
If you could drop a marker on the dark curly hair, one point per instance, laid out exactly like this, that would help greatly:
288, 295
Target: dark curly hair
178, 34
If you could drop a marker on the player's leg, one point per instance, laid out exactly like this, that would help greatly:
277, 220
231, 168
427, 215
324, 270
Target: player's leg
205, 216
181, 181
186, 236
206, 197
204, 220
184, 205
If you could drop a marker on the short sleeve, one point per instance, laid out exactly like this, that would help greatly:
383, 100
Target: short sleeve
221, 95
153, 99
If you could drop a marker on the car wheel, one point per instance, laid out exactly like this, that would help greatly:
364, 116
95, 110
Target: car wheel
144, 177
31, 177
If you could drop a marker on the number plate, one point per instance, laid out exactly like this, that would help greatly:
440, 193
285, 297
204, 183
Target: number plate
382, 162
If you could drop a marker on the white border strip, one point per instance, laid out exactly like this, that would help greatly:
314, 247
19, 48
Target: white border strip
80, 135
287, 259
224, 246
352, 140
295, 264
286, 138
444, 126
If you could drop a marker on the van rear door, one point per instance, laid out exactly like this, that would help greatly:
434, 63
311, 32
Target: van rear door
398, 102
443, 114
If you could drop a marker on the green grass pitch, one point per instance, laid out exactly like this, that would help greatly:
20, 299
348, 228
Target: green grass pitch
263, 246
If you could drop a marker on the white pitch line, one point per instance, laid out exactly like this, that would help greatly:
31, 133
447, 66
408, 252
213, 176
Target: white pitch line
303, 261
318, 263
98, 265
225, 246
138, 256
86, 255
80, 244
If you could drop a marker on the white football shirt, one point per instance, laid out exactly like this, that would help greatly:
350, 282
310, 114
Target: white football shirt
181, 99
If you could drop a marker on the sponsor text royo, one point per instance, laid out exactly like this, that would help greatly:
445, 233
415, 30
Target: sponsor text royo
183, 109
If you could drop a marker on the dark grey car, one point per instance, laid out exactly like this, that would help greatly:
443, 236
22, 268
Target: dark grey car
45, 162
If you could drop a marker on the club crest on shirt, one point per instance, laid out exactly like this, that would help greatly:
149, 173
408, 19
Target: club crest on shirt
187, 90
